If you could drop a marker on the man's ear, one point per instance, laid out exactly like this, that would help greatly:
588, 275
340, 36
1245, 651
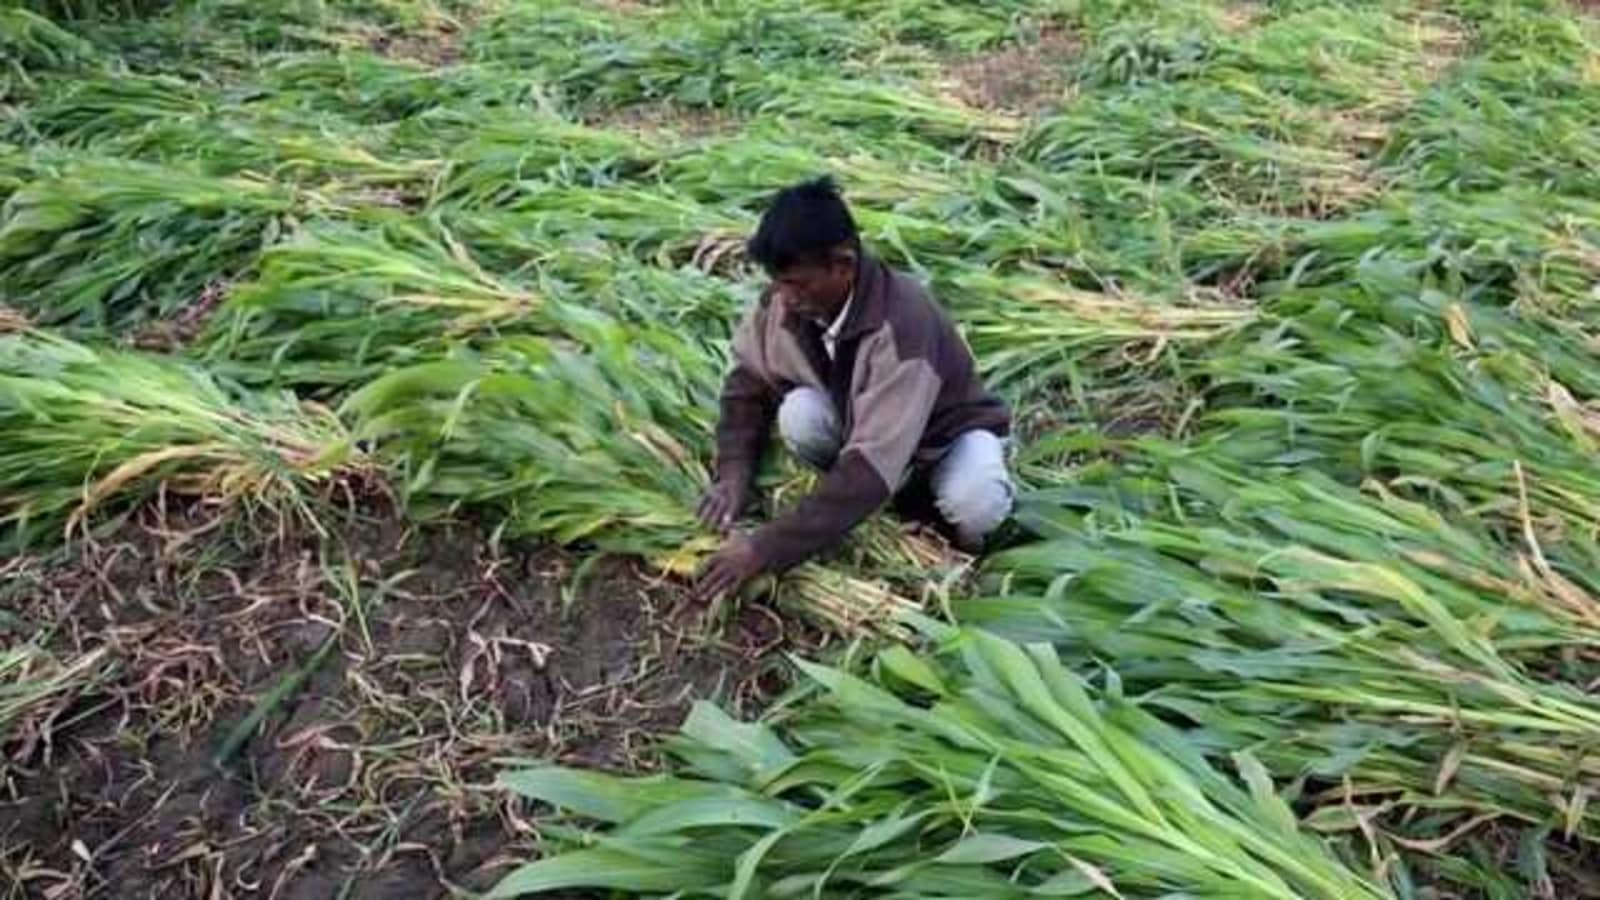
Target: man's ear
844, 256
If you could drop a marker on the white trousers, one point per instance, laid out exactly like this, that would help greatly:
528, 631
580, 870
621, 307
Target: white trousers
971, 485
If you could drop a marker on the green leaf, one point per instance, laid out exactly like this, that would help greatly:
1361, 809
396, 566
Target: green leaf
1334, 819
751, 743
1024, 681
1071, 883
605, 868
703, 812
912, 669
606, 797
851, 692
980, 849
884, 831
750, 862
1261, 791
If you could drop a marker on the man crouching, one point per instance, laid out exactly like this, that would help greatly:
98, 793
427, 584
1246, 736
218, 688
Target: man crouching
870, 384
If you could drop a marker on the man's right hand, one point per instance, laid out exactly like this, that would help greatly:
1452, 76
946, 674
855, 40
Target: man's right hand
724, 502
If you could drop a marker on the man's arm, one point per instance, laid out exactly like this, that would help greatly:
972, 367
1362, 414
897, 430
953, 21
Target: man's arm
890, 414
748, 402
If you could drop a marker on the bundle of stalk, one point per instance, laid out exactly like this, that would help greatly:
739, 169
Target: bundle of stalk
598, 274
951, 24
1521, 248
990, 770
1507, 120
604, 446
165, 118
93, 242
698, 56
744, 168
339, 303
654, 223
87, 428
1025, 326
1236, 113
1537, 345
874, 105
1378, 61
224, 42
1117, 231
727, 57
1532, 609
496, 154
604, 276
1358, 642
1484, 430
102, 106
371, 88
29, 41
596, 72
1241, 144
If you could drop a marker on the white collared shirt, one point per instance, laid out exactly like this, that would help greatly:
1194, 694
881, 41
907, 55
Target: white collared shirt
831, 336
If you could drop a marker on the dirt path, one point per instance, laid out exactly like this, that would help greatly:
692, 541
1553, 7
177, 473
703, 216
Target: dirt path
427, 657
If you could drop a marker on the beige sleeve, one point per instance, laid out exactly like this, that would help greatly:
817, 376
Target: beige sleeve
748, 403
891, 408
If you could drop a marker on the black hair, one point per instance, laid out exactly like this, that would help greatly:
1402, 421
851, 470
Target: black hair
804, 223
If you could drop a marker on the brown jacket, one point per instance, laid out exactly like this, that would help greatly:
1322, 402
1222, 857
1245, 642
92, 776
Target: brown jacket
902, 380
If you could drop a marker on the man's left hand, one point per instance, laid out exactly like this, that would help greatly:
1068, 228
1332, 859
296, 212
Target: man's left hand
734, 563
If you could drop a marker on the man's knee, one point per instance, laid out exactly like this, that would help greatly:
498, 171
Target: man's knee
809, 426
972, 486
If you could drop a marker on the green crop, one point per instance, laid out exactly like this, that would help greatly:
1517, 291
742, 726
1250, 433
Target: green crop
583, 448
91, 242
87, 428
1218, 591
990, 771
1295, 304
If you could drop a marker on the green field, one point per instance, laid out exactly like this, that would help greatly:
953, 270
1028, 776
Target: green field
359, 366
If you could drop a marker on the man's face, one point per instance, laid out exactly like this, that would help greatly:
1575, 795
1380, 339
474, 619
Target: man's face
816, 291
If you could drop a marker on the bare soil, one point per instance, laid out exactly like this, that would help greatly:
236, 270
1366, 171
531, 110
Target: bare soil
438, 44
1022, 78
437, 48
1241, 16
661, 117
374, 777
183, 326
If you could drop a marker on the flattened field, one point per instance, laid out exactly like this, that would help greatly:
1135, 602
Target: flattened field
359, 365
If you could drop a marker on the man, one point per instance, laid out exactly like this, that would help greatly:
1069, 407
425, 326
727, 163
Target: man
869, 383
